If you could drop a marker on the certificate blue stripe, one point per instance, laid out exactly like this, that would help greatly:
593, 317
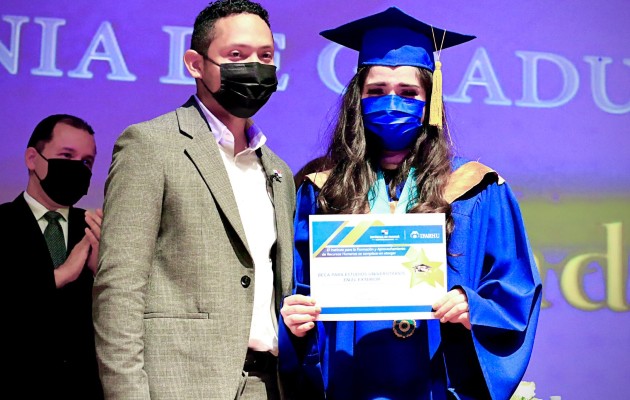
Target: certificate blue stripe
366, 310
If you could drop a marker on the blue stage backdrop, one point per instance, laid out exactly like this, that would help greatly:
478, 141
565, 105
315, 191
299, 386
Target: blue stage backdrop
542, 96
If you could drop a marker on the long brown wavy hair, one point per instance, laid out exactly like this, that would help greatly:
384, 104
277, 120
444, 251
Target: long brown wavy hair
355, 153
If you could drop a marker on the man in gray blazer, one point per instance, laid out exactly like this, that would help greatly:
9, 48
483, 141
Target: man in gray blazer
196, 245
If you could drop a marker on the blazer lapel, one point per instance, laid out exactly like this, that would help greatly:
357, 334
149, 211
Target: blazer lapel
270, 168
282, 209
39, 258
203, 151
76, 226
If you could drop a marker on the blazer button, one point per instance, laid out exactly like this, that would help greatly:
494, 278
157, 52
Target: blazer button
245, 281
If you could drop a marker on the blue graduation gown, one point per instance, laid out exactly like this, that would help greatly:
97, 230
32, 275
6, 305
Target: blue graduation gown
489, 258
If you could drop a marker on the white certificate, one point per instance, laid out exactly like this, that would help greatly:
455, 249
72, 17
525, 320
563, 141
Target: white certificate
377, 266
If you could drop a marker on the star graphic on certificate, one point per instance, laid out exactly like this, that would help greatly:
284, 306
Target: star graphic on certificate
422, 269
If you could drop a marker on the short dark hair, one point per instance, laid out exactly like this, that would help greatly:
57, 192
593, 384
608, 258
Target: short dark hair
203, 31
43, 131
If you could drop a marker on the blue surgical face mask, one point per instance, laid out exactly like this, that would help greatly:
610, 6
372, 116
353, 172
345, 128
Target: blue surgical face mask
396, 120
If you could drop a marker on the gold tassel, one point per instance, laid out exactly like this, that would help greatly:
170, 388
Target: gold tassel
437, 107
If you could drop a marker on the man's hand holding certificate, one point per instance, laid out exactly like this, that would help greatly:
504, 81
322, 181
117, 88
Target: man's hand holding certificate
377, 266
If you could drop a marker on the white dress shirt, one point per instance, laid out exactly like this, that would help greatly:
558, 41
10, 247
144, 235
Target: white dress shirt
251, 190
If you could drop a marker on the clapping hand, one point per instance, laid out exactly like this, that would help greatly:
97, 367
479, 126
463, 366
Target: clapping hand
93, 235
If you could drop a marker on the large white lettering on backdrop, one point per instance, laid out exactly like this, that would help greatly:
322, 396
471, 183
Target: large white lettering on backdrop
480, 71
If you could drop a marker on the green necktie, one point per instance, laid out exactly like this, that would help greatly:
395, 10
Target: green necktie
54, 238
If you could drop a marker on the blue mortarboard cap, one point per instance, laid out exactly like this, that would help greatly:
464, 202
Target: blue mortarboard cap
393, 38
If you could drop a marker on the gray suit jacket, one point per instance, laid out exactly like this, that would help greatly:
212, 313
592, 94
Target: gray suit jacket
171, 315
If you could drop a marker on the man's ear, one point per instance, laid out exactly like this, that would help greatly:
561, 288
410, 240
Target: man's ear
193, 61
29, 157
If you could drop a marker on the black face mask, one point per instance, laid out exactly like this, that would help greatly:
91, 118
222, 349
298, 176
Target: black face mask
245, 87
66, 181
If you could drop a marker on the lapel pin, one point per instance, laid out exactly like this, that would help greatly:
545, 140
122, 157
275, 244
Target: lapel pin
277, 176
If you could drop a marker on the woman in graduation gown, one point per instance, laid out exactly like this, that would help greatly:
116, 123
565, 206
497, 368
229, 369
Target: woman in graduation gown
390, 152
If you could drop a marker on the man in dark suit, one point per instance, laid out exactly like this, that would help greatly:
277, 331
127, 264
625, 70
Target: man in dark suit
50, 352
197, 244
